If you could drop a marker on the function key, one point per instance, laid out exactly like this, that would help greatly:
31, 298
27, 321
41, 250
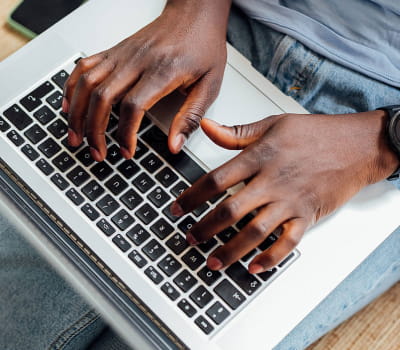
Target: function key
15, 138
185, 280
169, 265
162, 228
64, 161
30, 152
4, 126
170, 291
179, 188
60, 78
137, 258
146, 214
85, 157
143, 182
141, 150
121, 243
18, 117
113, 154
101, 170
55, 100
201, 296
42, 90
35, 134
246, 281
90, 212
131, 199
58, 128
158, 197
153, 249
122, 219
193, 259
106, 227
49, 147
230, 294
218, 313
44, 115
92, 190
78, 176
284, 261
74, 196
167, 177
128, 168
137, 234
116, 184
154, 275
59, 181
151, 163
45, 167
186, 224
266, 275
177, 243
187, 308
30, 102
107, 205
204, 325
209, 276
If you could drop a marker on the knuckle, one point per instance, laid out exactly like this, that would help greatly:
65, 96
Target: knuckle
215, 181
131, 106
101, 94
229, 211
83, 64
87, 80
258, 231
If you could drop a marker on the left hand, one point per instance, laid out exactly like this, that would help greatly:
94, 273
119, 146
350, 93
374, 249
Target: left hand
298, 168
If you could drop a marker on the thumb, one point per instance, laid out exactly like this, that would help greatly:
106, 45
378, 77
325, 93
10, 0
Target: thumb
234, 137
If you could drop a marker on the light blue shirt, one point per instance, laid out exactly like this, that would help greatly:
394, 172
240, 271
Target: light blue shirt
360, 34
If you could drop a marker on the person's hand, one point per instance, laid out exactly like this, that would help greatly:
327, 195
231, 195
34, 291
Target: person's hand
297, 169
184, 48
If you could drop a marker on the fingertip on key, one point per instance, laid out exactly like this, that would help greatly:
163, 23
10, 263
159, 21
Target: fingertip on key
214, 263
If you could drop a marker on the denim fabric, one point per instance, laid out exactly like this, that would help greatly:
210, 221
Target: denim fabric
38, 310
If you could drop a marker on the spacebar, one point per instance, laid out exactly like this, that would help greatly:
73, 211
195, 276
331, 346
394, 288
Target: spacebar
181, 162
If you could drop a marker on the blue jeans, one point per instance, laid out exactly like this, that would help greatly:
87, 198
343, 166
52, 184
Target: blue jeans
38, 310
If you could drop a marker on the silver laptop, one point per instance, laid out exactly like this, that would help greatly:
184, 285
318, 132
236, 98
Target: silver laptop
106, 226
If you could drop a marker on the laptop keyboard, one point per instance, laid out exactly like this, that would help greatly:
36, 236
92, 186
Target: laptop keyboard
128, 201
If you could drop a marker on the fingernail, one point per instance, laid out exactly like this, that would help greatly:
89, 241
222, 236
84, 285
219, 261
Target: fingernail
214, 263
125, 153
191, 240
95, 154
256, 268
65, 105
72, 137
180, 141
176, 209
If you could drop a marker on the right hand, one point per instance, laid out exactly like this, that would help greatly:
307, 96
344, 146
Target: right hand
183, 48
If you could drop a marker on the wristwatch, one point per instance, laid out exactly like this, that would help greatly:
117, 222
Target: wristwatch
393, 133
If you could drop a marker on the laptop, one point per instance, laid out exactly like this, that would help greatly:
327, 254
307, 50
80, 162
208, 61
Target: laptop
106, 227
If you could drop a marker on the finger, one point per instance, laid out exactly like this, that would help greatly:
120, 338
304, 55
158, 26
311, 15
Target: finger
80, 100
253, 234
82, 66
229, 212
102, 98
234, 137
293, 230
238, 169
151, 88
201, 96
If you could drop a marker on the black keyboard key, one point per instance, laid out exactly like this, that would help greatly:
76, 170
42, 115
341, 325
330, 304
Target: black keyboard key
18, 117
123, 219
74, 196
49, 147
284, 261
187, 308
186, 224
143, 182
30, 152
112, 123
121, 243
153, 249
55, 100
181, 162
107, 205
217, 198
177, 243
162, 228
209, 276
45, 167
35, 134
271, 239
106, 227
101, 170
15, 138
193, 259
244, 221
230, 294
218, 313
42, 90
60, 78
227, 234
185, 280
169, 265
167, 177
179, 188
59, 181
138, 235
90, 212
58, 128
113, 154
137, 258
167, 212
246, 281
141, 150
64, 161
151, 163
170, 291
4, 126
201, 296
44, 115
116, 184
128, 168
78, 176
201, 209
204, 325
92, 190
266, 275
146, 214
70, 148
207, 246
144, 124
249, 255
158, 197
30, 102
84, 156
131, 199
154, 275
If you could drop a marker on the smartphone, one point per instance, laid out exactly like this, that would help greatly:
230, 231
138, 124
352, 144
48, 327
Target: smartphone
32, 17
